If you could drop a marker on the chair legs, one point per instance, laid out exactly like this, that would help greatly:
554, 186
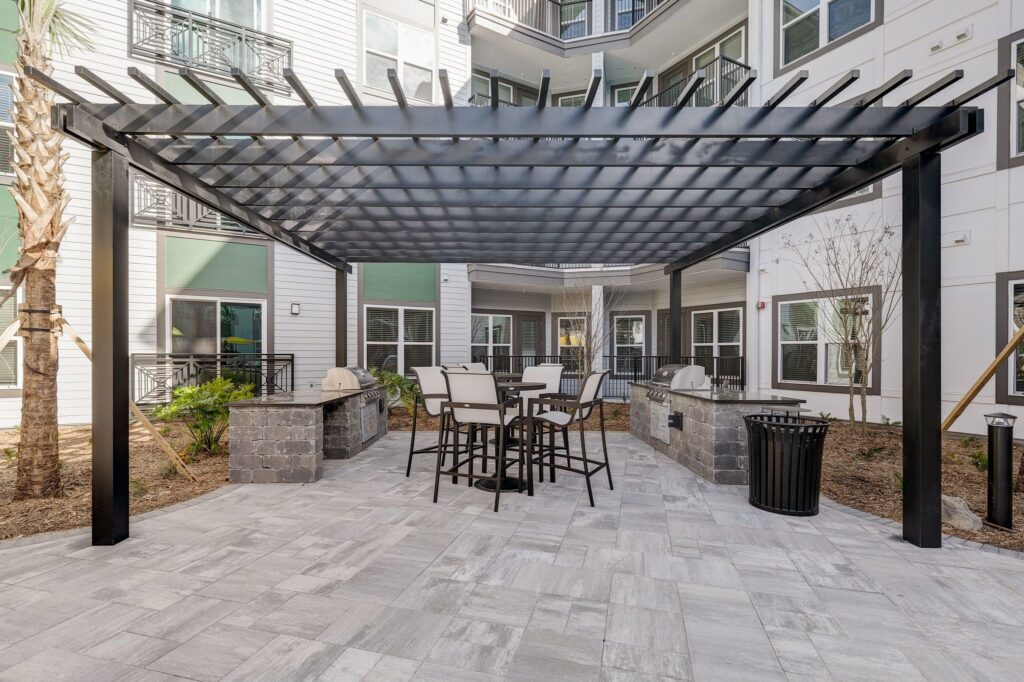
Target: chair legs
549, 454
442, 441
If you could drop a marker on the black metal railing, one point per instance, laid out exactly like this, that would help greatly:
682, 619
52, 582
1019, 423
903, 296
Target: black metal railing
479, 100
155, 375
720, 77
169, 34
623, 14
563, 19
724, 372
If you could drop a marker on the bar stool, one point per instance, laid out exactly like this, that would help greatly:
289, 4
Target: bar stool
474, 402
564, 411
432, 392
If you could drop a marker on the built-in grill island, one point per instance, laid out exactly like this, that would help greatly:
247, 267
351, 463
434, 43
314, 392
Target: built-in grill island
285, 437
700, 427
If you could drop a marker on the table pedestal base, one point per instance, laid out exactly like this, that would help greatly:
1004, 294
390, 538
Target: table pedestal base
508, 484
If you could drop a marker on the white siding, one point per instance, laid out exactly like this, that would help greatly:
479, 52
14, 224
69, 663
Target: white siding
455, 307
310, 334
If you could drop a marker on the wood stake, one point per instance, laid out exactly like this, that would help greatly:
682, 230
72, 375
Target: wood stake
1017, 339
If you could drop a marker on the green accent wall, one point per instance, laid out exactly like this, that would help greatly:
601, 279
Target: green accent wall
415, 282
207, 264
9, 241
177, 86
8, 31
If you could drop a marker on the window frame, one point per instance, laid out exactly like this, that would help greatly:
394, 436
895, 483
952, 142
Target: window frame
782, 66
19, 345
7, 176
570, 95
400, 62
401, 343
630, 88
821, 385
558, 327
615, 343
1008, 285
716, 344
1016, 148
169, 319
490, 345
716, 48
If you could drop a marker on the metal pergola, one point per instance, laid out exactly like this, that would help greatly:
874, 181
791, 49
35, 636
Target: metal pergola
673, 185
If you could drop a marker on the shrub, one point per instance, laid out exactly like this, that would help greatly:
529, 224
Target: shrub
979, 458
401, 390
204, 410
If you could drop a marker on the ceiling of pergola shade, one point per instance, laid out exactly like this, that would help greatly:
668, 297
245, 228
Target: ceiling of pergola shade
672, 185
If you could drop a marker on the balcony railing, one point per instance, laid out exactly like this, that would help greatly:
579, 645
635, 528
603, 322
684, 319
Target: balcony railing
563, 19
155, 205
720, 77
172, 35
156, 375
479, 100
624, 14
724, 372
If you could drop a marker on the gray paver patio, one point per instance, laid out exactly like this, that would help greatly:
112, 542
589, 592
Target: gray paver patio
360, 576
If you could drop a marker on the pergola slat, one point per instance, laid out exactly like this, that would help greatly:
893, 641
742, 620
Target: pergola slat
516, 214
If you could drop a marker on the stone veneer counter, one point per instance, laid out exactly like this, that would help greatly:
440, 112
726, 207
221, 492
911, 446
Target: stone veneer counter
710, 437
285, 437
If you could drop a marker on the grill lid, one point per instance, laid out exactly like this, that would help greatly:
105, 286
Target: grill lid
663, 375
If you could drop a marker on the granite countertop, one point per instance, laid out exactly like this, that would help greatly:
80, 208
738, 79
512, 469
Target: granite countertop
303, 397
733, 396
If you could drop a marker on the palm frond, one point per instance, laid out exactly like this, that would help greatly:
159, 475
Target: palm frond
61, 28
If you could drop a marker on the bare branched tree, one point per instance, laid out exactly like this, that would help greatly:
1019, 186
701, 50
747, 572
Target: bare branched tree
584, 332
855, 271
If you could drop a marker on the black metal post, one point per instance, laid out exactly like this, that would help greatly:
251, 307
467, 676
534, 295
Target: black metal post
340, 318
675, 317
922, 356
1000, 469
110, 367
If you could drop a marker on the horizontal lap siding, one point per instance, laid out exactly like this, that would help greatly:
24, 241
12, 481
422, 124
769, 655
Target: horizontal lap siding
456, 301
310, 334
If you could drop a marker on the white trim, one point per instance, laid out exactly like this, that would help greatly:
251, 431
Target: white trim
4, 126
1016, 102
218, 300
490, 345
559, 98
1011, 366
400, 343
821, 343
398, 58
823, 11
17, 341
717, 48
615, 343
716, 344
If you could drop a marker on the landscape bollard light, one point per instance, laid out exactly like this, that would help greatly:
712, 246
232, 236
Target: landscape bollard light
1000, 469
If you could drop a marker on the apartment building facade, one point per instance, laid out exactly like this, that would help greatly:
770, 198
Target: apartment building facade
202, 285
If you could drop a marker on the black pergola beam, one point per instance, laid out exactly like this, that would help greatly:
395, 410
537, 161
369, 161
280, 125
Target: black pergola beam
922, 351
675, 317
956, 126
513, 122
103, 86
515, 214
440, 153
85, 128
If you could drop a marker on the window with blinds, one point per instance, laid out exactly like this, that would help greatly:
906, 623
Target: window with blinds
717, 333
812, 349
491, 336
10, 357
398, 338
629, 338
6, 123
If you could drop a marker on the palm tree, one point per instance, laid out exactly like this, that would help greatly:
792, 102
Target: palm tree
46, 27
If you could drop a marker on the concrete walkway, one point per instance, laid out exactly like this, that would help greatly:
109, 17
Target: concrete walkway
360, 576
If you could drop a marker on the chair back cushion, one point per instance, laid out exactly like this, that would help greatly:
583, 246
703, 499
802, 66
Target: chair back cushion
431, 382
550, 375
591, 390
452, 369
478, 367
473, 387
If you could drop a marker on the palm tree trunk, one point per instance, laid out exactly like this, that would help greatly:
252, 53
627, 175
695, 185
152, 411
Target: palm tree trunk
38, 455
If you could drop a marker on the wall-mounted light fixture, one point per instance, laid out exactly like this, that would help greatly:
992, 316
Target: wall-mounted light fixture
296, 309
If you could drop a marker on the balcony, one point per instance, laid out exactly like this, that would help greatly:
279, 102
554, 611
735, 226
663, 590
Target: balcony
720, 77
562, 19
172, 35
625, 14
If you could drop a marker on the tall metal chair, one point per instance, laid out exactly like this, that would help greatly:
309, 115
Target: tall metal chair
475, 403
560, 413
433, 390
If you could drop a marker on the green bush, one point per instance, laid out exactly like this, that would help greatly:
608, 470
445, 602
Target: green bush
979, 458
204, 410
401, 390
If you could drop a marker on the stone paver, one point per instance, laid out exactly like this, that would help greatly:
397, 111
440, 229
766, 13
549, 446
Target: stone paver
361, 577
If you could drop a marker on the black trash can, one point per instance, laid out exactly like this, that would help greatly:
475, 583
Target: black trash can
785, 462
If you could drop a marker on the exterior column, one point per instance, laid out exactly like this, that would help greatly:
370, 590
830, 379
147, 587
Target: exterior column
675, 317
922, 356
110, 366
597, 316
340, 318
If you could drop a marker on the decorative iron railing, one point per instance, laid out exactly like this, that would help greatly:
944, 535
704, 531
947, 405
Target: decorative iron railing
624, 14
563, 19
155, 205
720, 77
724, 372
159, 31
156, 375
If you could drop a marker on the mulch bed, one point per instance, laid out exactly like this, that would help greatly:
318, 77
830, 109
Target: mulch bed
152, 483
863, 472
616, 418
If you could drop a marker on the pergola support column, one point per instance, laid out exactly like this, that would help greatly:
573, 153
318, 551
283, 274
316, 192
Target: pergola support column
110, 367
675, 317
340, 318
922, 353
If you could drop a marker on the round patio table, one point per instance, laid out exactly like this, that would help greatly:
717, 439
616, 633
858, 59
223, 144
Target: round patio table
510, 483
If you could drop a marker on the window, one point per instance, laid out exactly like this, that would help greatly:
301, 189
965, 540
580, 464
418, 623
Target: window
410, 51
482, 92
717, 333
248, 13
198, 42
811, 348
571, 100
215, 325
10, 356
627, 13
628, 337
6, 123
572, 341
810, 24
573, 18
1016, 320
490, 336
398, 338
721, 76
623, 95
1017, 99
